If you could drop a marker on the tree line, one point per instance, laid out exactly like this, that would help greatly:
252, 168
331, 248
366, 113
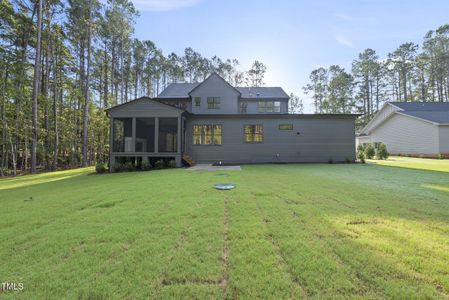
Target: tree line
62, 63
409, 73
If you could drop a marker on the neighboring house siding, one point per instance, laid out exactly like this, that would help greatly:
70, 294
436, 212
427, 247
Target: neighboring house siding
214, 86
380, 116
402, 134
443, 138
320, 140
253, 105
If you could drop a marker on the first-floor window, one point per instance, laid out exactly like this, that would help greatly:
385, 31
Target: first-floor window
253, 133
207, 134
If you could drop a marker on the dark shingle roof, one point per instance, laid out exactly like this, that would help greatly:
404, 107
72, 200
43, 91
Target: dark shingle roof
262, 92
178, 90
422, 106
182, 90
440, 117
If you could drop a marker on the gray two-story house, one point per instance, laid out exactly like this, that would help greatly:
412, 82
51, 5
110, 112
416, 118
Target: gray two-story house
214, 122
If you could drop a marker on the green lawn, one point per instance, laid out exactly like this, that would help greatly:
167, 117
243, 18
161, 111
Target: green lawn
286, 231
415, 163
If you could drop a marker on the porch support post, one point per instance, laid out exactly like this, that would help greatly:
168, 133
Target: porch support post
111, 145
133, 146
156, 135
179, 134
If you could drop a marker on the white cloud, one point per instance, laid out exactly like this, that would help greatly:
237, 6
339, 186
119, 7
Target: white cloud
163, 5
343, 41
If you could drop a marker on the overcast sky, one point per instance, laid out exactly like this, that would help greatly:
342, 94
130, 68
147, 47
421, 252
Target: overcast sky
292, 37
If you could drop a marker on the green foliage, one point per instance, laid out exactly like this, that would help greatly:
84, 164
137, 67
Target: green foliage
369, 151
159, 164
361, 153
101, 167
172, 163
381, 151
146, 166
129, 166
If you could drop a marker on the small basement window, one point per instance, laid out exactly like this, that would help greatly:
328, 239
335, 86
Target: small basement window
285, 126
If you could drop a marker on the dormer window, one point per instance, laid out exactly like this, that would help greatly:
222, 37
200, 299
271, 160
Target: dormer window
213, 102
243, 107
269, 106
197, 101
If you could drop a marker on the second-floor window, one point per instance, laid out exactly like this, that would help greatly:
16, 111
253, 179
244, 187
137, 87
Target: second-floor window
269, 106
207, 134
197, 101
213, 102
253, 133
243, 107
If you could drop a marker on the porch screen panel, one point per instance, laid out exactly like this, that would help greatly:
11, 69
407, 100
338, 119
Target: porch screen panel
122, 135
145, 134
168, 134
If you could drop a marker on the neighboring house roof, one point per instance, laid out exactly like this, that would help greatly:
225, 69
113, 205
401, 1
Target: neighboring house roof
178, 90
183, 90
262, 92
422, 106
439, 117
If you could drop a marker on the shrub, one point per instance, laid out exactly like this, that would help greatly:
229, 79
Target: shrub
146, 166
330, 161
347, 160
369, 151
440, 156
382, 152
101, 167
159, 164
129, 166
172, 163
361, 154
118, 167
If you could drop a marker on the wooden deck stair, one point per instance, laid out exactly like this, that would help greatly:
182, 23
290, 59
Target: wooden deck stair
187, 160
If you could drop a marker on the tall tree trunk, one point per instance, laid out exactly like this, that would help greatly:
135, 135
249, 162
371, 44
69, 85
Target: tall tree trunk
36, 88
86, 91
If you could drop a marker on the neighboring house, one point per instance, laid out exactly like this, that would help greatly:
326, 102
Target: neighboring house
416, 128
214, 122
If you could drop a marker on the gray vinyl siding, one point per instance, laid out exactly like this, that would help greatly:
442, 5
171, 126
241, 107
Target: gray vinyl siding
406, 135
253, 105
443, 136
320, 139
214, 86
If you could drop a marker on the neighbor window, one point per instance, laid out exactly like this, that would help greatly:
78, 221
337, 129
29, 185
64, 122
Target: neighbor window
197, 101
253, 133
213, 102
285, 126
207, 134
269, 106
243, 107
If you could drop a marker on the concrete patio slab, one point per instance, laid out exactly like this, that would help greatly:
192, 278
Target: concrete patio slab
209, 167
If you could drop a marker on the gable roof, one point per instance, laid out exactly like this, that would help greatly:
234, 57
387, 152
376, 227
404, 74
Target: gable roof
178, 90
144, 98
215, 75
433, 112
422, 106
183, 90
262, 92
